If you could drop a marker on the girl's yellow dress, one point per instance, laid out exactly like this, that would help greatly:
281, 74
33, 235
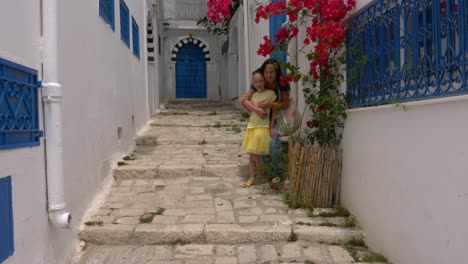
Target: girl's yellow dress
257, 135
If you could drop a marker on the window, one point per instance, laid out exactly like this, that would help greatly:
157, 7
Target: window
106, 11
136, 38
124, 23
406, 52
19, 107
6, 219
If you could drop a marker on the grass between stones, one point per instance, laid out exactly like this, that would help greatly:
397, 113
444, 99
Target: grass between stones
358, 250
307, 261
148, 218
94, 223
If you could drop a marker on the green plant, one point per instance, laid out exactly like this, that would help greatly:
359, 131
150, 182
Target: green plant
308, 262
286, 197
374, 257
357, 243
145, 219
292, 237
212, 113
217, 124
351, 221
121, 163
160, 211
94, 223
351, 250
130, 157
235, 128
326, 223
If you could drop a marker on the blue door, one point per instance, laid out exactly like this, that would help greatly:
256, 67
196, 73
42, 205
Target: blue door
276, 21
190, 72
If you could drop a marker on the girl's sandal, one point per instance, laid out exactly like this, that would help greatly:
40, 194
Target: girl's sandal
248, 183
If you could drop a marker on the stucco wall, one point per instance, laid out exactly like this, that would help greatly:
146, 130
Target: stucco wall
405, 178
104, 86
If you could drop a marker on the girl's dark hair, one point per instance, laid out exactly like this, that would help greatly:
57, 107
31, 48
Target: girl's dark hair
257, 71
275, 64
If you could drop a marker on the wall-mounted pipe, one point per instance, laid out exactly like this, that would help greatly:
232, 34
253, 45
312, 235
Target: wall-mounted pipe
52, 98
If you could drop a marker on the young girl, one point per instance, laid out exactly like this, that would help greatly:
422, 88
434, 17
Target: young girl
257, 136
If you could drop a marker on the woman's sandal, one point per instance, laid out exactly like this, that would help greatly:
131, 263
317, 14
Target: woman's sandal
248, 183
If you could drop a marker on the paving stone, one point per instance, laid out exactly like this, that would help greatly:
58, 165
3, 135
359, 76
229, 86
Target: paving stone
268, 253
247, 219
244, 204
247, 253
291, 252
250, 211
226, 260
222, 205
164, 219
315, 254
225, 217
177, 212
225, 250
127, 220
140, 255
108, 234
201, 211
195, 249
198, 219
235, 234
162, 253
270, 211
340, 255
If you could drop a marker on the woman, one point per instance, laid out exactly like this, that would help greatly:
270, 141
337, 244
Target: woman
272, 72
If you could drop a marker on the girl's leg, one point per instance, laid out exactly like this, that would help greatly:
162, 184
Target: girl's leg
254, 160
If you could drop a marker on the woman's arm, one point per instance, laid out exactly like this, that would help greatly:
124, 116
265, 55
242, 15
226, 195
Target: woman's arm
283, 104
272, 123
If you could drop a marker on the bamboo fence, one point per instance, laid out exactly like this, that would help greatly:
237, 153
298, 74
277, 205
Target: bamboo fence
314, 175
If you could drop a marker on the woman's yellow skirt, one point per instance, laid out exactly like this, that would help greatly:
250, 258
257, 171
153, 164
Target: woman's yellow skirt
257, 141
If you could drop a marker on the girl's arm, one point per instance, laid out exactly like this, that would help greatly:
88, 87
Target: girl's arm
249, 107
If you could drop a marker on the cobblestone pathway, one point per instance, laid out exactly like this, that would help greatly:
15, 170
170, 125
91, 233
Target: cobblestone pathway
178, 200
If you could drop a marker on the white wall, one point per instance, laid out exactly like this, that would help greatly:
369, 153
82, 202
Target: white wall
405, 178
104, 86
172, 37
25, 165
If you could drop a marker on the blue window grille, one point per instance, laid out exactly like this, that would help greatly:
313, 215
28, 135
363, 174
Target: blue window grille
136, 38
124, 23
106, 11
6, 219
399, 50
19, 107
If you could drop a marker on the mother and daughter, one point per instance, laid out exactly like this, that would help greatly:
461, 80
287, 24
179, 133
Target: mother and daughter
263, 100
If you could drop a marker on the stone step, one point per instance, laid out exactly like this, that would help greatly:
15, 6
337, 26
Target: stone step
181, 135
278, 252
161, 170
212, 119
160, 234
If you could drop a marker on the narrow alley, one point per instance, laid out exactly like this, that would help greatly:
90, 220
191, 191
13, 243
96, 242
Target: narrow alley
179, 199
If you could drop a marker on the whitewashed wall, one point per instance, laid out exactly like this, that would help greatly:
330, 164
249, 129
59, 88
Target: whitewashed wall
179, 31
104, 88
25, 165
405, 178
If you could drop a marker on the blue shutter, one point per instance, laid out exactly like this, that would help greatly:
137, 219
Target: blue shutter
6, 219
106, 11
136, 38
124, 23
19, 106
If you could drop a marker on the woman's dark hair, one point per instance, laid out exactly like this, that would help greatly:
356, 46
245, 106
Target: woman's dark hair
275, 64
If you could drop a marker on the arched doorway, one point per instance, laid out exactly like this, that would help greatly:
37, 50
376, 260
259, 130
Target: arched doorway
191, 72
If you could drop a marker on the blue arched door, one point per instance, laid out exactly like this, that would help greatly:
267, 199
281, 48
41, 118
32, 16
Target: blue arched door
190, 72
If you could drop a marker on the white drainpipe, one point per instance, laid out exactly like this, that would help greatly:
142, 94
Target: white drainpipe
52, 98
246, 43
